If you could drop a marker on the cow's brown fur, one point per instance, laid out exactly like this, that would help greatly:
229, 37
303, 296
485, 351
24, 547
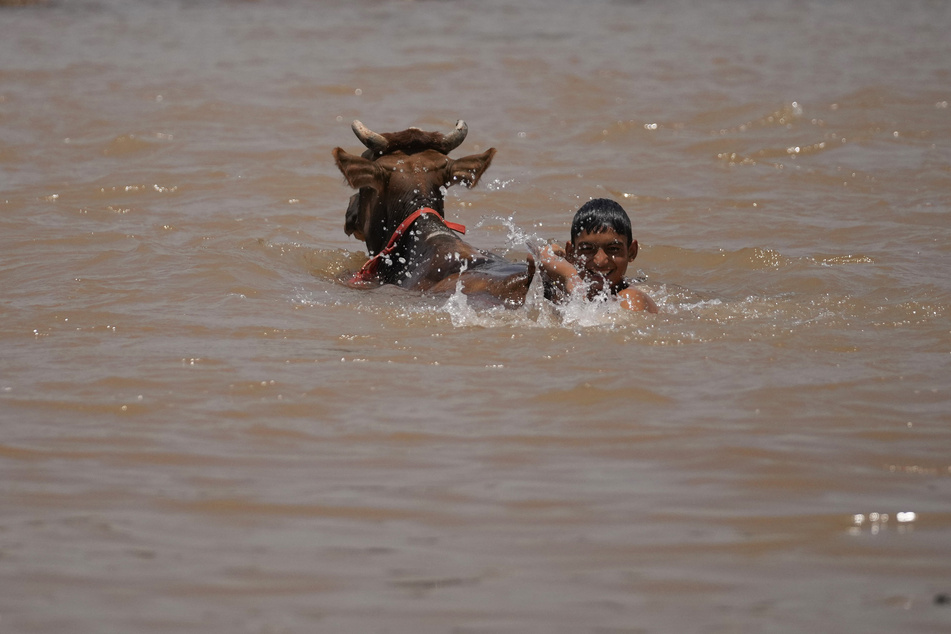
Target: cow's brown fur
412, 172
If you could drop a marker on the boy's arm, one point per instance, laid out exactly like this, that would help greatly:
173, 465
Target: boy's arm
566, 280
559, 271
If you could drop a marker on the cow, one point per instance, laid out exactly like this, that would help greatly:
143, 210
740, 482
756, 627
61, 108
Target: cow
398, 211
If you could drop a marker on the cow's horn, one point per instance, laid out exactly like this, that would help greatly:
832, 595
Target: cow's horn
455, 138
369, 138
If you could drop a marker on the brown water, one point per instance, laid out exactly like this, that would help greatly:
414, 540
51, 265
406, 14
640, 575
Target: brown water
201, 431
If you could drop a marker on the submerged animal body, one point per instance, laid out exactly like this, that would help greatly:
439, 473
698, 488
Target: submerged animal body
398, 212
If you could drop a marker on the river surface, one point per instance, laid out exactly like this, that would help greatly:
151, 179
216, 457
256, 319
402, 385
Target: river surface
203, 430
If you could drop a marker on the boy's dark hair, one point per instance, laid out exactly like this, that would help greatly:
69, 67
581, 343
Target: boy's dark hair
599, 215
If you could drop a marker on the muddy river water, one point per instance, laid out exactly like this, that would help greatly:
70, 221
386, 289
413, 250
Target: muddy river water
202, 430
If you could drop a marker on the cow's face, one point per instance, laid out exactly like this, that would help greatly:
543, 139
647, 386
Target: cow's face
406, 176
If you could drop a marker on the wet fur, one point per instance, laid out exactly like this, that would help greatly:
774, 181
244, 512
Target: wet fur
412, 173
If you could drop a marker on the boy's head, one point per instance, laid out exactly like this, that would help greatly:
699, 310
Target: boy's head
602, 244
598, 215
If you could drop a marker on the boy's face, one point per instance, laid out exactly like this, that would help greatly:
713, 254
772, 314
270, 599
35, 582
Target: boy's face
601, 257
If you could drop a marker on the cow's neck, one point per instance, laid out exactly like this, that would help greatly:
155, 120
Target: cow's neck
395, 212
427, 249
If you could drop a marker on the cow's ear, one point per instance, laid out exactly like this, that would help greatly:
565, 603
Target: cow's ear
469, 169
358, 171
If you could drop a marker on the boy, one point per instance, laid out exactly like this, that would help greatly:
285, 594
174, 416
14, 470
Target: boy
595, 258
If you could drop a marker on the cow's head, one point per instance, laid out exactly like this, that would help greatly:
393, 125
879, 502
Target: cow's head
401, 172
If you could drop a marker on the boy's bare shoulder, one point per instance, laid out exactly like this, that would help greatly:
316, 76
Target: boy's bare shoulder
636, 299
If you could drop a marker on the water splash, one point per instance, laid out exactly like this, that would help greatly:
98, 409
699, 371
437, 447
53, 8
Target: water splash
536, 312
686, 316
499, 184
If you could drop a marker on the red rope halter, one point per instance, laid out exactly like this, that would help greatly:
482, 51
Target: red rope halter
365, 277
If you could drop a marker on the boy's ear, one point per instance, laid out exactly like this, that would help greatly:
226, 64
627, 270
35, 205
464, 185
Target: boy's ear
469, 169
632, 251
358, 171
570, 251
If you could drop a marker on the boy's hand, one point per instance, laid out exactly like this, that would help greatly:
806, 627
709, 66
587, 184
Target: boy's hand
556, 249
553, 263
